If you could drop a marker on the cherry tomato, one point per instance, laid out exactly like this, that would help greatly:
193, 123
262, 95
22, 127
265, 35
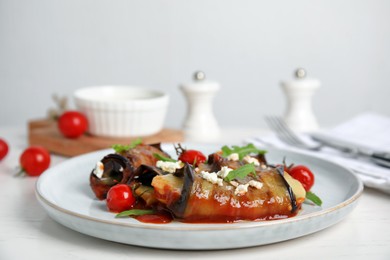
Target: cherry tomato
35, 160
120, 198
303, 175
192, 157
3, 149
72, 124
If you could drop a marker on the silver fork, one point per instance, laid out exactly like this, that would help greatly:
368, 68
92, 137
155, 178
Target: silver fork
288, 136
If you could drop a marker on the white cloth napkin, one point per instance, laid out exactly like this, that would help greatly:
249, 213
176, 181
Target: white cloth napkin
368, 131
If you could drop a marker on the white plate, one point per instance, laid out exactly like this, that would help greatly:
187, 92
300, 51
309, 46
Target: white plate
65, 194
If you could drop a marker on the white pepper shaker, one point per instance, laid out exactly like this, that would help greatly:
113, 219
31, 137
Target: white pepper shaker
299, 115
200, 124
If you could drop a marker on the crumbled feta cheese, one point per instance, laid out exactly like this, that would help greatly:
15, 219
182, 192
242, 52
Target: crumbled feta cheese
249, 159
234, 183
169, 166
241, 189
211, 177
233, 157
224, 171
256, 184
99, 169
229, 187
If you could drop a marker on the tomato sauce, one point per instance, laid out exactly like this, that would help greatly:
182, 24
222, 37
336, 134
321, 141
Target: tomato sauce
158, 218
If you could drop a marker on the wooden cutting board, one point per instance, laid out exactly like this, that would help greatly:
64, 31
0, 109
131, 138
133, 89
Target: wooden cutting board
45, 133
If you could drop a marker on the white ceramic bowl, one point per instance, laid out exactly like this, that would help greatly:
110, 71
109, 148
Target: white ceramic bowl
122, 111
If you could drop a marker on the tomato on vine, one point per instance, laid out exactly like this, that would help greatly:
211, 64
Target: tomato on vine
72, 124
34, 160
120, 198
3, 149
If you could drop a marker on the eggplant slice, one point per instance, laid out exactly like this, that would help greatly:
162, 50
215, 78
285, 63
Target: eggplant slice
145, 174
124, 167
117, 169
178, 207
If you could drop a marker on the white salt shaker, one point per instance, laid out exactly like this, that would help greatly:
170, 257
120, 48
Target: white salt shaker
200, 124
299, 115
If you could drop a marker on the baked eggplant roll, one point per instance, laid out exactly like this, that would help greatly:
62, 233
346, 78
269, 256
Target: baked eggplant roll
203, 194
231, 185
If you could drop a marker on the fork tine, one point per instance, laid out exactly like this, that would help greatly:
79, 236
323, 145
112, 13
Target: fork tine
287, 130
283, 131
279, 132
276, 128
286, 135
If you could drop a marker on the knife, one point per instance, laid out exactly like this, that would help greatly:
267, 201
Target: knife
380, 158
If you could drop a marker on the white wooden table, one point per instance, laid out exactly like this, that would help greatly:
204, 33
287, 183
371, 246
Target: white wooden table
27, 232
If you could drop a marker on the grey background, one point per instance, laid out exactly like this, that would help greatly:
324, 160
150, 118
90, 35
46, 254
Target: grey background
49, 46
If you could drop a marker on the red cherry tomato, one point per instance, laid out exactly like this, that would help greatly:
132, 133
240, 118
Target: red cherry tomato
192, 157
3, 149
120, 198
35, 160
72, 124
303, 175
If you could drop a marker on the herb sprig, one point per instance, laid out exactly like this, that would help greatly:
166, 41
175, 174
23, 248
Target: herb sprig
119, 148
241, 150
163, 158
134, 212
241, 173
313, 198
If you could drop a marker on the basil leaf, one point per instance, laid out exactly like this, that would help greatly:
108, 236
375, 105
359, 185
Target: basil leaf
119, 148
241, 150
313, 198
134, 212
241, 172
163, 158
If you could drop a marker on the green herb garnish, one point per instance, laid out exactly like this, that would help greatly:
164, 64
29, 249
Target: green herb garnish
134, 212
163, 158
241, 172
119, 148
313, 198
241, 150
